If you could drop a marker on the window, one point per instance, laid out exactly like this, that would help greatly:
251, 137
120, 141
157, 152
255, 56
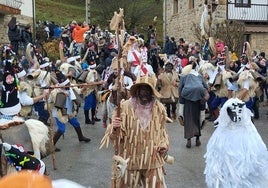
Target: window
175, 6
242, 3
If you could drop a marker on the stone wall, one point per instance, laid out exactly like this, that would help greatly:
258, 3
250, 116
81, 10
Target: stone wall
259, 42
179, 25
4, 19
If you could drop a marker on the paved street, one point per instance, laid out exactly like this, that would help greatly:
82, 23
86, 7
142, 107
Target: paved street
84, 163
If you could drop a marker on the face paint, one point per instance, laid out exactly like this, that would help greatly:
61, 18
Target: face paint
145, 94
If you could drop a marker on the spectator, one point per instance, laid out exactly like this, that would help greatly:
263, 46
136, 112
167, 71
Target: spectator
26, 36
168, 48
78, 34
51, 29
14, 34
109, 59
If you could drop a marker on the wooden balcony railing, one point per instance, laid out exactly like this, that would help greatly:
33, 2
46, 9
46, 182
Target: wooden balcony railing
10, 6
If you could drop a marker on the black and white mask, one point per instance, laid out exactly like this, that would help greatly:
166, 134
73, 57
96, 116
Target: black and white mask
235, 111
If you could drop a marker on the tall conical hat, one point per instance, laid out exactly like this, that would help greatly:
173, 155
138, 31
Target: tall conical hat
9, 104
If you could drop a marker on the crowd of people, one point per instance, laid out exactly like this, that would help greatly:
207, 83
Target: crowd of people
97, 66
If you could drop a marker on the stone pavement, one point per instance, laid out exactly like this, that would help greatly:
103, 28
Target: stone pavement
86, 164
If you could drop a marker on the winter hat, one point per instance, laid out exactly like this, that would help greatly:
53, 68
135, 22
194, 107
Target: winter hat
9, 104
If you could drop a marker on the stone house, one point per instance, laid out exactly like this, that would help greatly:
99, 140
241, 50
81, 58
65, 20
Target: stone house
23, 10
180, 15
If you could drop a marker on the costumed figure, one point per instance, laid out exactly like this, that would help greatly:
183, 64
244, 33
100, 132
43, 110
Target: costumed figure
90, 93
61, 102
236, 155
142, 140
126, 82
168, 82
31, 134
9, 104
207, 69
39, 76
205, 22
19, 159
247, 84
144, 67
68, 64
132, 50
26, 94
72, 70
219, 82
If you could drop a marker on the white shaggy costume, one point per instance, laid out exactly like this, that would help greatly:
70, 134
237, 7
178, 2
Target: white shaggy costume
236, 155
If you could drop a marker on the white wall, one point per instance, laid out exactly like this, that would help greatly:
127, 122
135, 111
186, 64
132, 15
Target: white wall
27, 8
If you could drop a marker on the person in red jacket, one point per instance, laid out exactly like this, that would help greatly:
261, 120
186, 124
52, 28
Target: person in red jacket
78, 34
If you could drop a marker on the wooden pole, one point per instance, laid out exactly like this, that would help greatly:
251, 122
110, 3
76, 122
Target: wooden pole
51, 135
74, 85
120, 26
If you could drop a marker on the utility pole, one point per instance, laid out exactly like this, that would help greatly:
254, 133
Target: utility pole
88, 3
34, 20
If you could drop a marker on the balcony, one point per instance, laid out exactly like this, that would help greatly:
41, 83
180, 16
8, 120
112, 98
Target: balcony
250, 13
10, 6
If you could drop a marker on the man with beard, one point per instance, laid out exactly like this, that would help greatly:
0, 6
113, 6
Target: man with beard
143, 140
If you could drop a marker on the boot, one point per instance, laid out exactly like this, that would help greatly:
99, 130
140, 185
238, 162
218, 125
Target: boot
80, 135
188, 144
87, 120
43, 120
197, 141
210, 115
168, 110
56, 137
202, 119
180, 118
215, 115
93, 115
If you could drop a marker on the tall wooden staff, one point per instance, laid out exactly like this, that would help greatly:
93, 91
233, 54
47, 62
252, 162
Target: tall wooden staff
117, 24
51, 135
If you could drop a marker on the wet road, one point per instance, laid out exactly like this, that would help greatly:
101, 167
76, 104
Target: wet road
89, 166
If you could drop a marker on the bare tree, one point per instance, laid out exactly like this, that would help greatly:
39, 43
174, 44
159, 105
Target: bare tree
231, 32
134, 12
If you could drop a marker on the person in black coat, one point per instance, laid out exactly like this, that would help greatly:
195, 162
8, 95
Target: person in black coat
14, 35
26, 36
